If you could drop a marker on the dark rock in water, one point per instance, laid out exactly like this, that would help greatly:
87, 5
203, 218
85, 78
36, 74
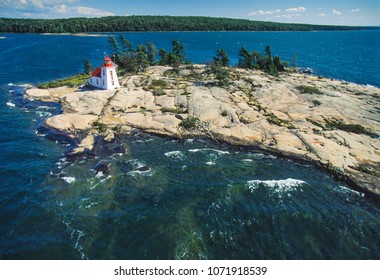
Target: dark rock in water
102, 167
104, 148
55, 135
118, 149
143, 168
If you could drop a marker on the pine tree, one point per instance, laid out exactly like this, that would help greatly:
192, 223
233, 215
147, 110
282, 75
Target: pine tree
151, 52
113, 46
179, 50
221, 58
87, 67
126, 45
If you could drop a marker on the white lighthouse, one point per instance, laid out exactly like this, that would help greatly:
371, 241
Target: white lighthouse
105, 76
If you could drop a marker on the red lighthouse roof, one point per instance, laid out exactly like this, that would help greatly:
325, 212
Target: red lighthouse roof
108, 62
97, 72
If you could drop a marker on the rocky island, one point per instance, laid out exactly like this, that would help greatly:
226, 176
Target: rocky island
331, 123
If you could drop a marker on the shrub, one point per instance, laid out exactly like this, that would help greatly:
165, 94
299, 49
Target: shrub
159, 83
354, 128
101, 127
190, 123
308, 89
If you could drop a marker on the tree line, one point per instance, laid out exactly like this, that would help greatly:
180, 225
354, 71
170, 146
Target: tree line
136, 59
153, 23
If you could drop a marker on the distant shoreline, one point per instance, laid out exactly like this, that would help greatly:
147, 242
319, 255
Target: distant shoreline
158, 24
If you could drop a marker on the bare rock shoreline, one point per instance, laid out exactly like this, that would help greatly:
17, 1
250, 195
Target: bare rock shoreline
331, 123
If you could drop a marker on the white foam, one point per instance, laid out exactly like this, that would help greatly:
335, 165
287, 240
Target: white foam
99, 174
210, 163
10, 104
277, 185
208, 149
138, 172
42, 114
348, 190
43, 107
68, 179
175, 154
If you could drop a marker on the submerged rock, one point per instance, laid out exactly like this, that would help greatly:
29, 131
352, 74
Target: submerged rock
102, 167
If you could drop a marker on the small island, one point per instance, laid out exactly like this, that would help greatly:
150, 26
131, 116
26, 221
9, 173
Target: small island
330, 123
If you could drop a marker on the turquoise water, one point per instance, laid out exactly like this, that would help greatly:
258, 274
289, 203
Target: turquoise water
145, 197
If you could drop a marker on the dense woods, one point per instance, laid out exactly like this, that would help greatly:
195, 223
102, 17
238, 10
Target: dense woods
153, 23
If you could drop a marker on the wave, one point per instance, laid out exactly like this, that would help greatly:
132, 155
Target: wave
175, 155
43, 114
138, 172
289, 184
68, 179
209, 149
139, 168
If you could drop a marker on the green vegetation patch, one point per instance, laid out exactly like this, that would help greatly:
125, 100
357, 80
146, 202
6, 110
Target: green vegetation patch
224, 113
354, 128
73, 81
308, 89
190, 123
315, 123
158, 86
273, 119
101, 127
159, 83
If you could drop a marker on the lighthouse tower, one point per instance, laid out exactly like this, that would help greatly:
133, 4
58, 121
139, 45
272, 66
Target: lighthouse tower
105, 77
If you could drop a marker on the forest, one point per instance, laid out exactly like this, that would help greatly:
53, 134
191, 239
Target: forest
154, 23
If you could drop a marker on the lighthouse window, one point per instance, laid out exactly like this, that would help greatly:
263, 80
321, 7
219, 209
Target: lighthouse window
113, 83
97, 81
104, 72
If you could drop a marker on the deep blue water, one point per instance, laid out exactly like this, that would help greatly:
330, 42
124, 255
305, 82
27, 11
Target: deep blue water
165, 199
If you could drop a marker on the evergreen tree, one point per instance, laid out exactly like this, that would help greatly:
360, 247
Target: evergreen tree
277, 63
87, 67
113, 46
221, 58
246, 59
164, 57
268, 52
294, 60
126, 45
179, 50
142, 57
151, 52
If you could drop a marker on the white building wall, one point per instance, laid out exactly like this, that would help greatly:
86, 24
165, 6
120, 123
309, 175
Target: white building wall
108, 80
111, 80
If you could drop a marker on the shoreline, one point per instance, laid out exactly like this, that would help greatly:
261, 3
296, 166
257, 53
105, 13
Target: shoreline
255, 112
